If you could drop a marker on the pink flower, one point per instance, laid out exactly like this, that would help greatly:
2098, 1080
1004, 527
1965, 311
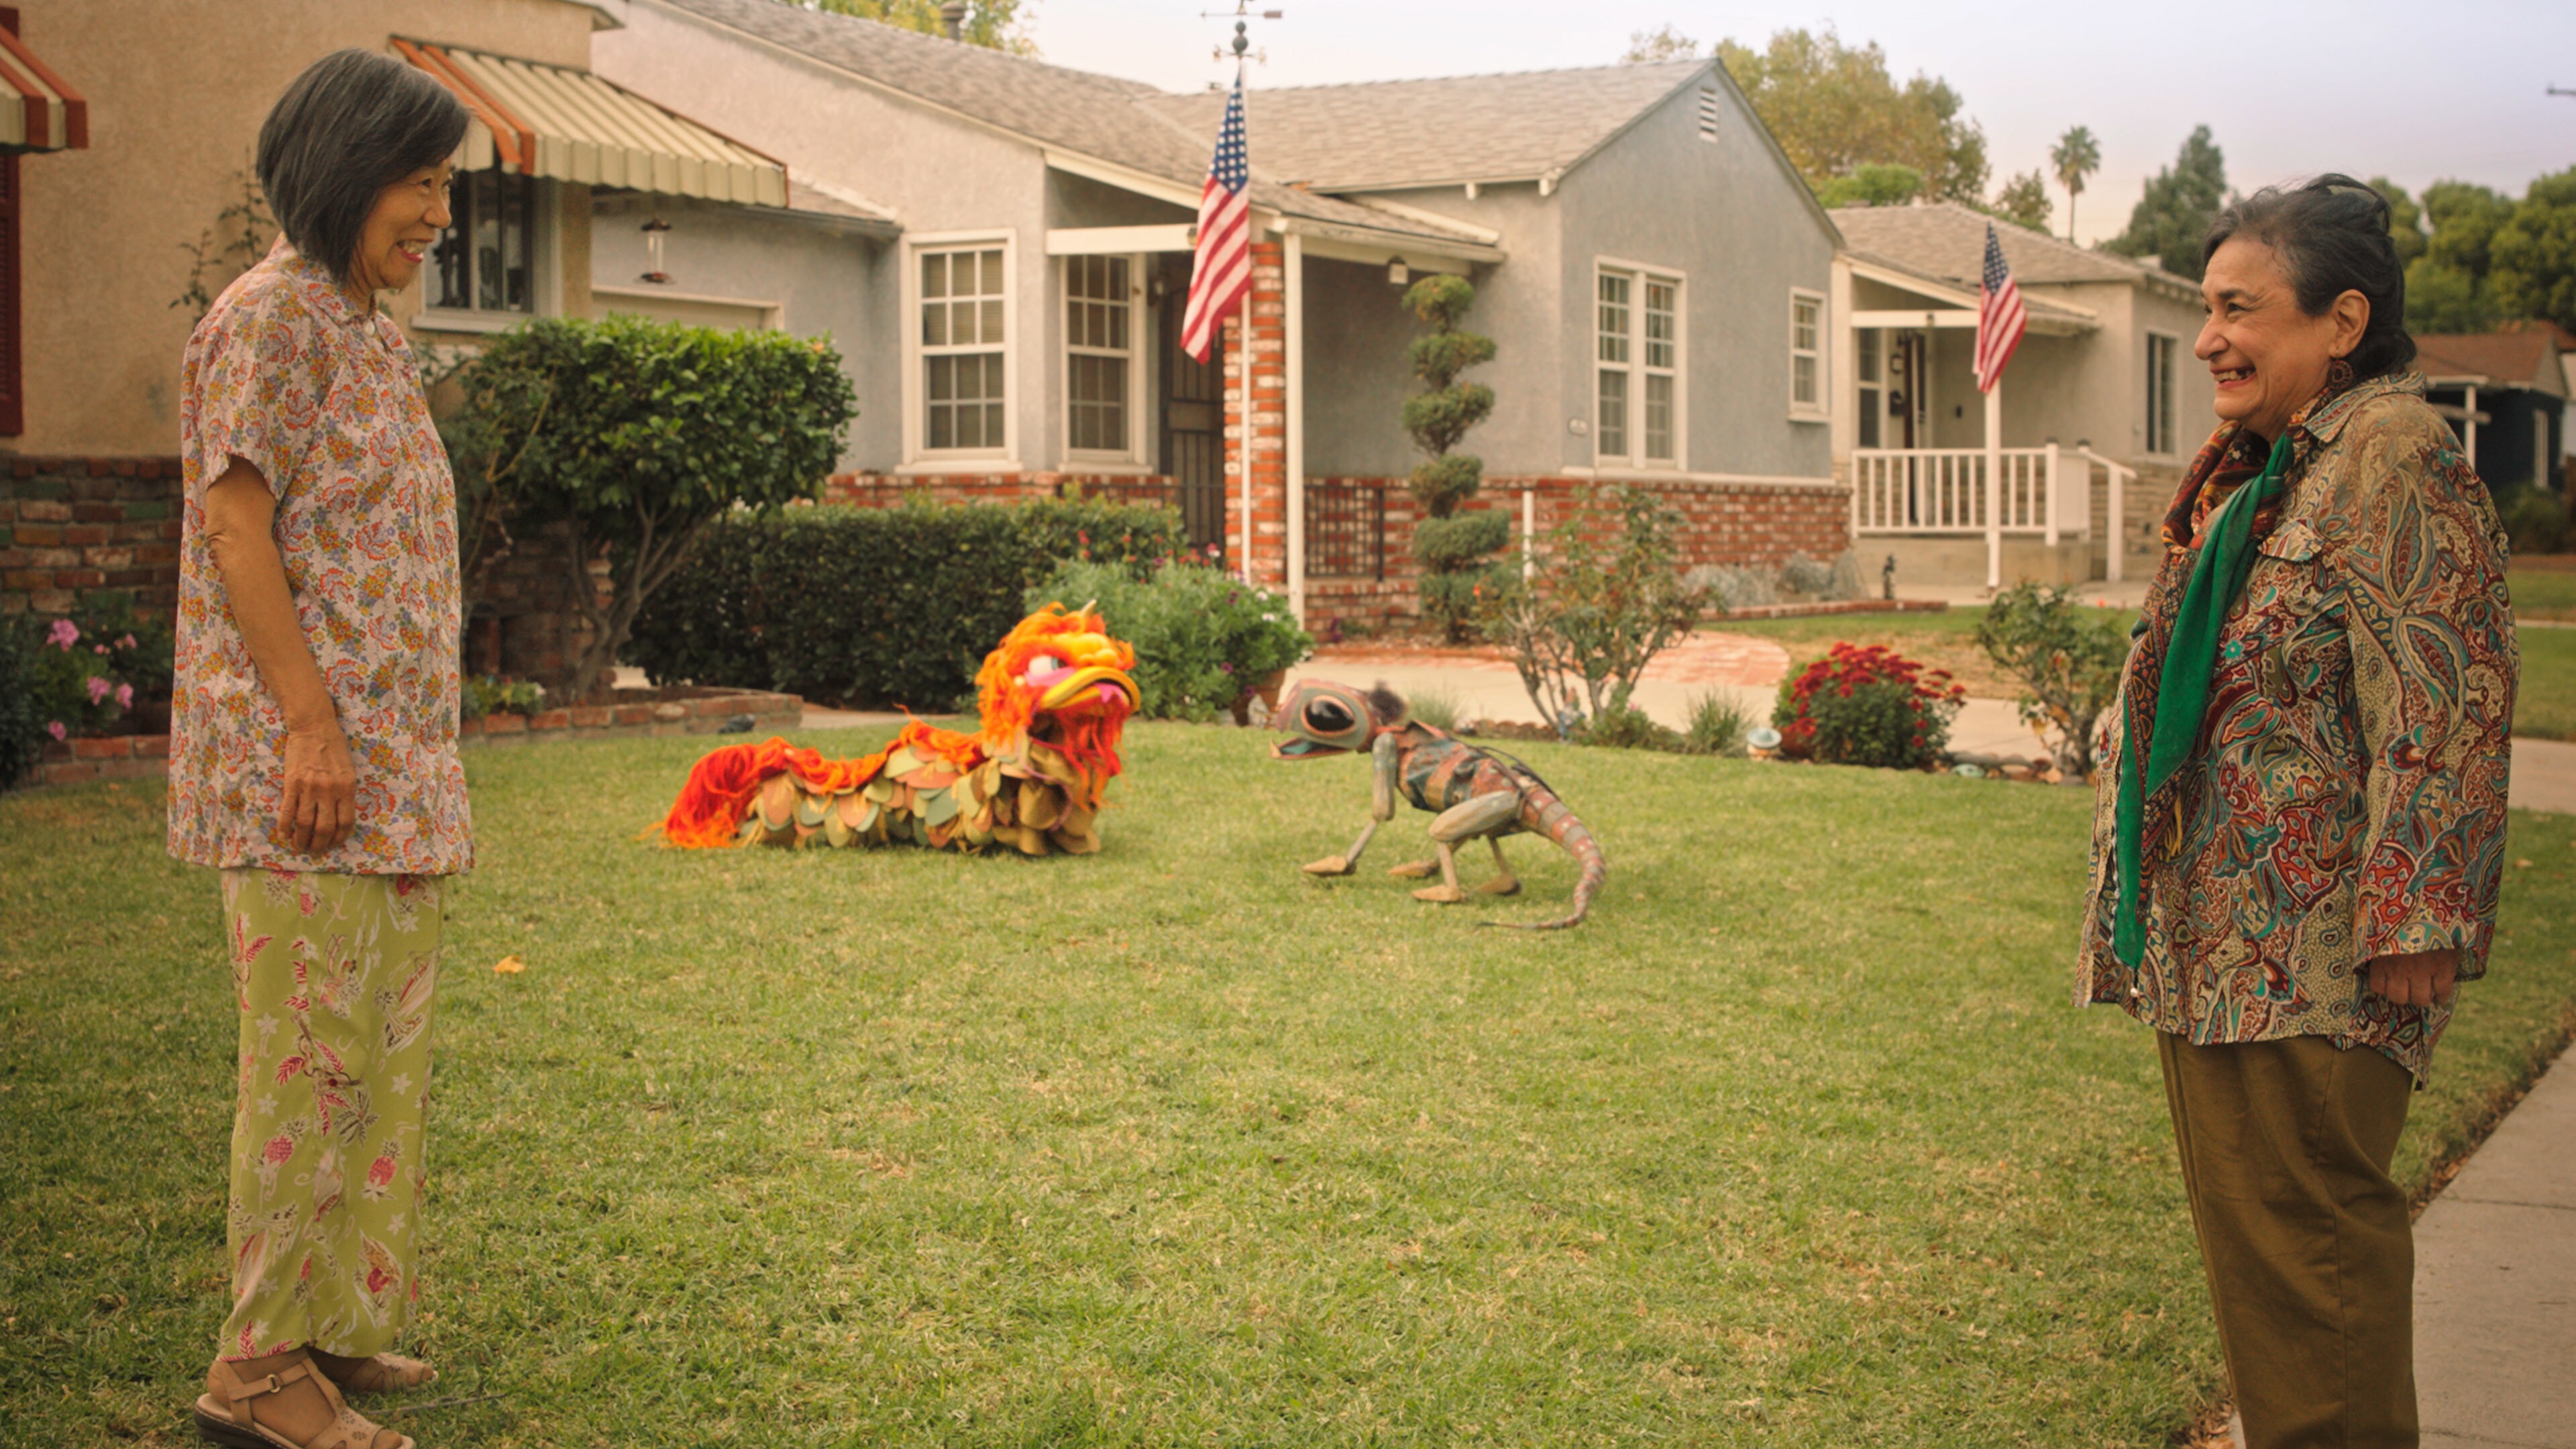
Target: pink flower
98, 649
98, 688
125, 696
125, 641
64, 634
55, 728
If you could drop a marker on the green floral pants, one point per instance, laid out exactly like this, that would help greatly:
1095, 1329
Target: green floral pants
333, 974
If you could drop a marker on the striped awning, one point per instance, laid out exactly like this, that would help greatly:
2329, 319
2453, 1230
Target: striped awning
37, 111
550, 120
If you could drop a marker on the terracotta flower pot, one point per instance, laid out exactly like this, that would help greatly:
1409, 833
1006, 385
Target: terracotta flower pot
1266, 689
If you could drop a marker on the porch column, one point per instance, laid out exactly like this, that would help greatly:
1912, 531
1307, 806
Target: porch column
1294, 290
1995, 486
1256, 427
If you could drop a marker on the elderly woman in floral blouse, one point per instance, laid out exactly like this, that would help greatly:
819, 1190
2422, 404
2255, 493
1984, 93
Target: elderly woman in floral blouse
2297, 852
314, 752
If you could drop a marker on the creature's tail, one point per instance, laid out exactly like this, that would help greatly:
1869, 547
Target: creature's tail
1544, 814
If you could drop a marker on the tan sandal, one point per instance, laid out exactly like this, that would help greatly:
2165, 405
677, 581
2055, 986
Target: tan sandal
384, 1373
224, 1417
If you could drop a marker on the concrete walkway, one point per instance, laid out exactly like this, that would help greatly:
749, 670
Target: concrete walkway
2495, 1285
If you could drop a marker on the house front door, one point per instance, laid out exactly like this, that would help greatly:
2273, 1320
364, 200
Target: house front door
1193, 451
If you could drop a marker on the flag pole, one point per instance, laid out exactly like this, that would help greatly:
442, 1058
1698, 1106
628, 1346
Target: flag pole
1243, 347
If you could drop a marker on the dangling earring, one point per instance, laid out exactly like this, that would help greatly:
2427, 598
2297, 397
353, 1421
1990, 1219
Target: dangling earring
2338, 375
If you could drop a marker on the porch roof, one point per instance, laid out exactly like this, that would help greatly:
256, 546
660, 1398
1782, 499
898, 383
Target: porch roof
548, 120
2495, 359
1094, 125
2046, 316
1947, 242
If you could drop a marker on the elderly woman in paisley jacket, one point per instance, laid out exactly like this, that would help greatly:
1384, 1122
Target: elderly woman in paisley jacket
2297, 851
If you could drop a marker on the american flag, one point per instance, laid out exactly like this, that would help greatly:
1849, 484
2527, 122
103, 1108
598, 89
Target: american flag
1221, 270
2000, 319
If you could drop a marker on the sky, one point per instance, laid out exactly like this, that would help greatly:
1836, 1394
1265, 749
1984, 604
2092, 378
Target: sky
2417, 92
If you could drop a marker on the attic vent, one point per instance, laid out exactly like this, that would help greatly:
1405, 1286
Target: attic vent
1708, 110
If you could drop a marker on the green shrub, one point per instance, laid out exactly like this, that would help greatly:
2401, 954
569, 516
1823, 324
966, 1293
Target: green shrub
491, 694
1438, 707
1606, 597
2070, 665
638, 436
1202, 637
875, 605
2535, 520
22, 730
1866, 706
1626, 727
1717, 725
1449, 545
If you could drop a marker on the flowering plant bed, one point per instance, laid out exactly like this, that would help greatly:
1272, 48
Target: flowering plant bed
1867, 705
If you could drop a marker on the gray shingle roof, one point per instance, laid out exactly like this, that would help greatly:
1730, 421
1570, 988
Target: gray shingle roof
1436, 132
1097, 116
1947, 242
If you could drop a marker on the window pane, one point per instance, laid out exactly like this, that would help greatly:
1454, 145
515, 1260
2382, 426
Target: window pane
518, 205
1803, 324
1659, 417
1613, 318
934, 274
455, 246
934, 325
1865, 357
1803, 382
992, 275
992, 322
943, 378
1612, 424
487, 240
1870, 407
1662, 327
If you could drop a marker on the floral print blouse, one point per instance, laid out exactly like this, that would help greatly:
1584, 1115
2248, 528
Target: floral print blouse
325, 401
2347, 800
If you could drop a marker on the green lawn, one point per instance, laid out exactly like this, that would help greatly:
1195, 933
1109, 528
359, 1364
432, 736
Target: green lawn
2543, 590
2544, 705
1796, 1143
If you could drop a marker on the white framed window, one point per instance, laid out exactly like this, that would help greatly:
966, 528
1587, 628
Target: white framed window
2161, 351
1869, 366
493, 267
1806, 355
1102, 363
1638, 408
958, 381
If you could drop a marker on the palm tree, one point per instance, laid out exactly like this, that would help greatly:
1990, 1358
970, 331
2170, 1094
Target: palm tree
2076, 156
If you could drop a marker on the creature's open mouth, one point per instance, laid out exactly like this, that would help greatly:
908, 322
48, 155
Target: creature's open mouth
1303, 749
1097, 687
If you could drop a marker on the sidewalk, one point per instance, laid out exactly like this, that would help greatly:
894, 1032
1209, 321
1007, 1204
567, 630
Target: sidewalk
2495, 1285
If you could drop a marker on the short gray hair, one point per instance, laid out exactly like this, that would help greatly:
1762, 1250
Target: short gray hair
354, 123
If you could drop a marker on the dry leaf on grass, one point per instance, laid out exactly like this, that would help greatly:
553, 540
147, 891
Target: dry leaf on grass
508, 966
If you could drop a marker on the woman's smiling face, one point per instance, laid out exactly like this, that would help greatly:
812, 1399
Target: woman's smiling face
2268, 356
400, 230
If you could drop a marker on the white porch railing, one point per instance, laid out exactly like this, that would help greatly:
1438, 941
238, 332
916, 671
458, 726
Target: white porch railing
1972, 492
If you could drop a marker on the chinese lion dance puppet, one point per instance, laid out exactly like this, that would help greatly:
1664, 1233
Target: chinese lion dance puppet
1472, 792
1053, 698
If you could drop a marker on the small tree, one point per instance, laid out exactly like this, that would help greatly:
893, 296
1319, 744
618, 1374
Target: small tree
1606, 598
2070, 665
1450, 546
633, 435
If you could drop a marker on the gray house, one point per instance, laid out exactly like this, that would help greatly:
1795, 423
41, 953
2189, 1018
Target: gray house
1006, 249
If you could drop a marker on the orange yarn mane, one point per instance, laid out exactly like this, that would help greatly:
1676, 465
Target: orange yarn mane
722, 787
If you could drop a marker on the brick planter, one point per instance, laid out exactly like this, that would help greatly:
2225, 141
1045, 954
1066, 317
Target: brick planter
700, 712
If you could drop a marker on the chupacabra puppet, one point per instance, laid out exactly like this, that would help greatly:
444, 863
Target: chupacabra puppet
1473, 793
1054, 697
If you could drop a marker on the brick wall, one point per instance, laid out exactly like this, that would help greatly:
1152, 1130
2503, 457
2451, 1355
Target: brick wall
523, 615
1760, 524
88, 532
888, 490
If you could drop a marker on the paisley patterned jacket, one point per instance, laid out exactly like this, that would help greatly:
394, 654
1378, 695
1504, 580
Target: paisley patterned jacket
2347, 799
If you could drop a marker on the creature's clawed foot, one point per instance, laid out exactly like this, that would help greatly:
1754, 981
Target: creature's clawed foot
1329, 865
1501, 885
1440, 895
1415, 870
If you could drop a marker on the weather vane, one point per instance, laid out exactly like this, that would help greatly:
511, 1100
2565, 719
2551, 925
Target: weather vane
1244, 15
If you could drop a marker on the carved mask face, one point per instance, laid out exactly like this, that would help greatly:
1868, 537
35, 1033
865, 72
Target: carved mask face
1321, 718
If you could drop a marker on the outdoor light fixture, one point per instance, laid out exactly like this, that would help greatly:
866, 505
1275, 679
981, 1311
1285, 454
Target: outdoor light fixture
1397, 273
653, 249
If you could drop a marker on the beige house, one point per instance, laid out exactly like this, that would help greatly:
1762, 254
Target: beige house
2093, 420
115, 244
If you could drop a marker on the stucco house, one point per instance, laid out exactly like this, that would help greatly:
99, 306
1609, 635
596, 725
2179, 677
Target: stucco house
1655, 274
97, 242
2090, 426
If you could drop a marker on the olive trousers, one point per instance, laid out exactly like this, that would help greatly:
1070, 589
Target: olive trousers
2311, 1258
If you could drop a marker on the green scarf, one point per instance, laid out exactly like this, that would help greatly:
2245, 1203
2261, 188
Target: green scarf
2182, 697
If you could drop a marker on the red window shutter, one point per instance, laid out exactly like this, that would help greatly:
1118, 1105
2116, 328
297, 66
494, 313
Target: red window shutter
13, 373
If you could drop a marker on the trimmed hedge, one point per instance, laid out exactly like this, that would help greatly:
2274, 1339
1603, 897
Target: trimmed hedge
875, 606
